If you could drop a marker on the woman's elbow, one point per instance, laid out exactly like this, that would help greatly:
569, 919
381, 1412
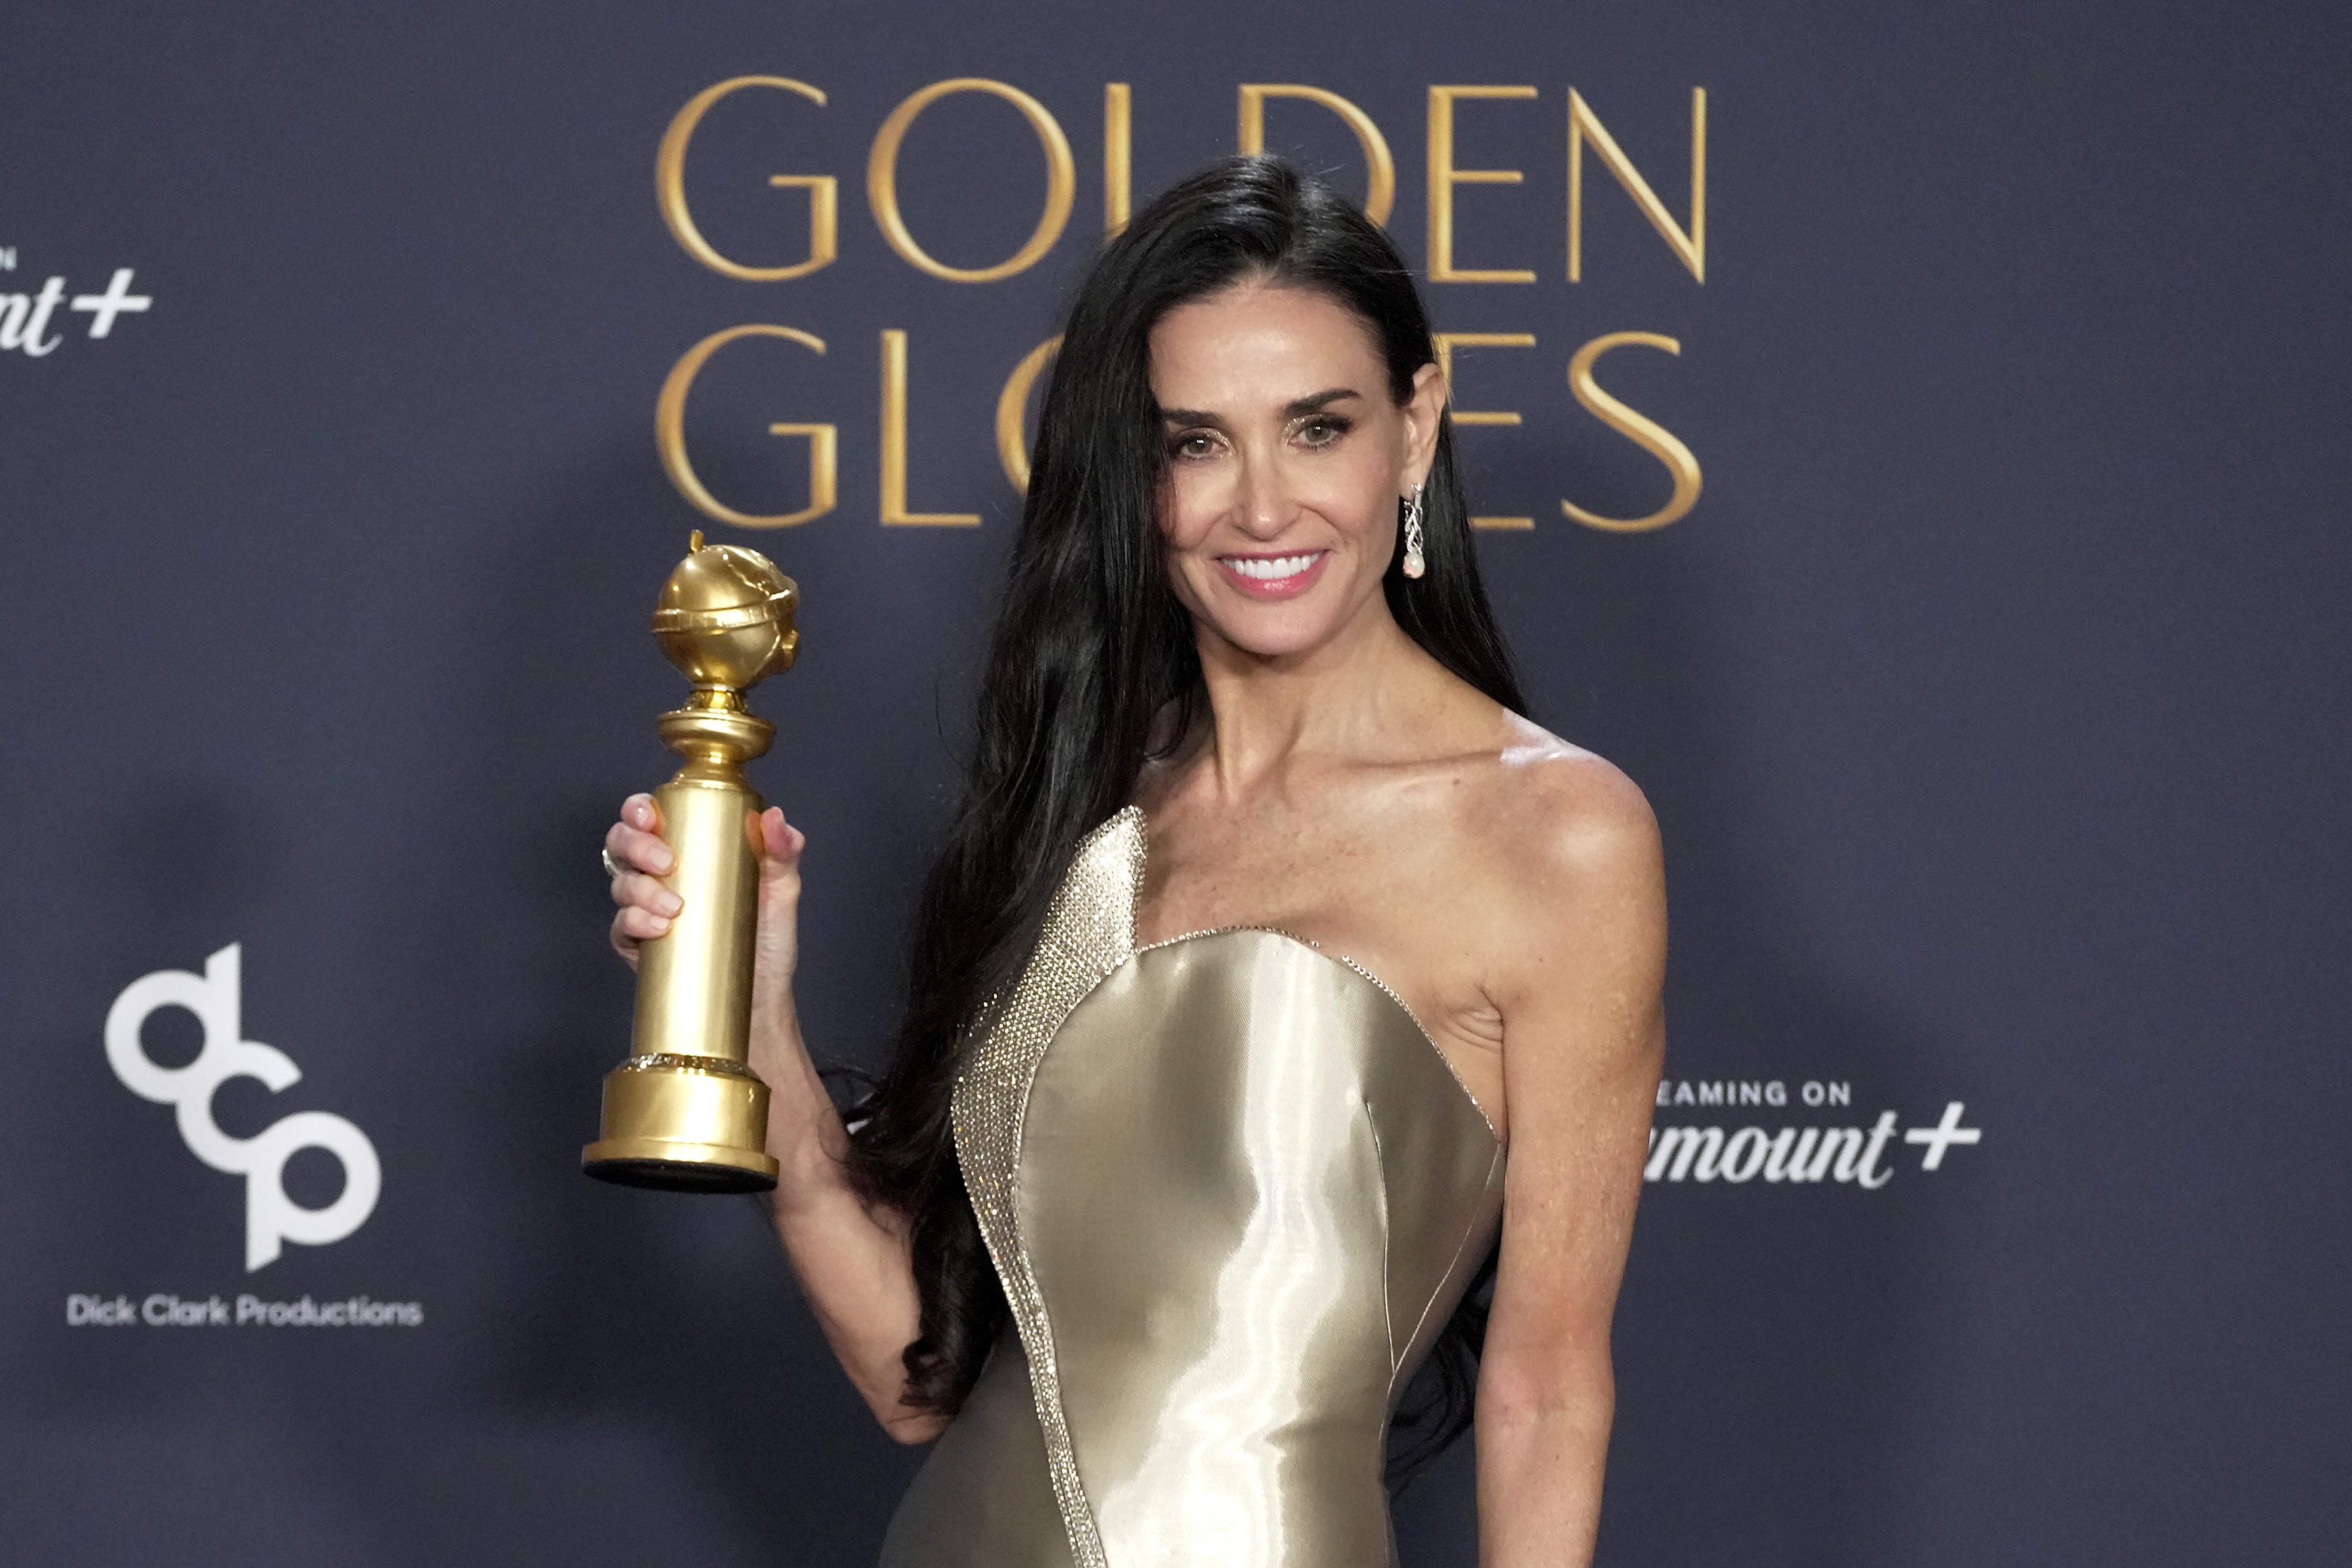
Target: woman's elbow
915, 1430
1581, 1391
909, 1426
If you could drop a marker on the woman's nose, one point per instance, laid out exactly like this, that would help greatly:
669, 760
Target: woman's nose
1262, 507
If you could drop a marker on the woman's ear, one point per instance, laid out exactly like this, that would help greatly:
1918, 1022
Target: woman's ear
1423, 411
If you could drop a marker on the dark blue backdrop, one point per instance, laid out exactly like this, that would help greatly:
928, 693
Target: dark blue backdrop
1992, 699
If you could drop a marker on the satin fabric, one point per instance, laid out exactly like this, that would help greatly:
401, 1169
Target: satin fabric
1248, 1193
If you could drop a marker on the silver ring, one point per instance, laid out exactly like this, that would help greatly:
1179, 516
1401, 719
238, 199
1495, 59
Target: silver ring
614, 869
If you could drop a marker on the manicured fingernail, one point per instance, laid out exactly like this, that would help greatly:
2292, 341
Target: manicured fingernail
663, 861
669, 903
660, 925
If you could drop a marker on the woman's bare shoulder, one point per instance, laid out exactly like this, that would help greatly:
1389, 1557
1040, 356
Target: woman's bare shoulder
1549, 797
1558, 854
1574, 916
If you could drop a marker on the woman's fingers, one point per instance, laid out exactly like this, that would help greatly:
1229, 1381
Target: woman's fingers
779, 841
639, 891
635, 839
623, 942
780, 863
636, 847
646, 907
639, 924
777, 944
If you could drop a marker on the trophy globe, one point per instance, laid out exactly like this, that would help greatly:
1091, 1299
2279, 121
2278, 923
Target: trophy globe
725, 619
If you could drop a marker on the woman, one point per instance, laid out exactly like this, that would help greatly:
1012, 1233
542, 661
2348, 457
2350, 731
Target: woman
1264, 922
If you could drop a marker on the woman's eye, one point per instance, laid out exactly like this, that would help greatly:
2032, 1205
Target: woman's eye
1193, 444
1322, 430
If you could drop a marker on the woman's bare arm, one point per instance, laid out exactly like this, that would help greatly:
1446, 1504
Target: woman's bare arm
1583, 1037
851, 1258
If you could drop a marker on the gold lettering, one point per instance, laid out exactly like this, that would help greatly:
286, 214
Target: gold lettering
1584, 126
1643, 431
1446, 343
1118, 133
1380, 194
882, 180
1011, 450
1444, 176
669, 188
669, 435
894, 446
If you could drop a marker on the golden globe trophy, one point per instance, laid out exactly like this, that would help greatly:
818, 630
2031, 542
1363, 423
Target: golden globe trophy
685, 1112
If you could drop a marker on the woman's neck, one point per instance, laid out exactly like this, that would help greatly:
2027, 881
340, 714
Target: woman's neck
1349, 698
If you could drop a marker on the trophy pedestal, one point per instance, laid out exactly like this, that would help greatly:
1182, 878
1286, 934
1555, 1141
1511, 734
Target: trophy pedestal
683, 1124
685, 1112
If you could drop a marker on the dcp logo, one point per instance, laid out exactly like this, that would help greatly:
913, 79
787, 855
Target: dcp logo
215, 996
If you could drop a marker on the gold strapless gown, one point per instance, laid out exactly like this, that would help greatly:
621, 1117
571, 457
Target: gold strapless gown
1232, 1192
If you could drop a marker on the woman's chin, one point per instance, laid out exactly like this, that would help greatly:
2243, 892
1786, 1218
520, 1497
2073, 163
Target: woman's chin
1275, 631
1279, 627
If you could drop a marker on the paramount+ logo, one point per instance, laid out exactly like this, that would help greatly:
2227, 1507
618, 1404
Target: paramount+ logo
1862, 1157
272, 1217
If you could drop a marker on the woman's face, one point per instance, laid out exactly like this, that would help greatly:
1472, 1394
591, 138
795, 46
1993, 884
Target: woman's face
1285, 462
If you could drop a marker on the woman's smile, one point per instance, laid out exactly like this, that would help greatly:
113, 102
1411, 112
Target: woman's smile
1274, 576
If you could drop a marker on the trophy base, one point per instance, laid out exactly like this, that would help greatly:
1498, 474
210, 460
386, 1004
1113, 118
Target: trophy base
671, 1168
681, 1123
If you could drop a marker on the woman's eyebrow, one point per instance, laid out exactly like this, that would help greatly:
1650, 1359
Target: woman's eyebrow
1311, 403
1319, 401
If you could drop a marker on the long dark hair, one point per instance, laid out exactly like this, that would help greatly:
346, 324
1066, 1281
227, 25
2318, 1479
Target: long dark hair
1092, 658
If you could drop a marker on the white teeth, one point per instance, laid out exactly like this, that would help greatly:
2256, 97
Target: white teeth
1270, 569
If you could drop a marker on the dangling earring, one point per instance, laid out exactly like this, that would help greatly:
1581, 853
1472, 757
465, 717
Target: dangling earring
1414, 565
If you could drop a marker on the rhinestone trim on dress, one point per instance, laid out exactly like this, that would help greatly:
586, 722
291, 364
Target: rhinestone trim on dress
1089, 932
